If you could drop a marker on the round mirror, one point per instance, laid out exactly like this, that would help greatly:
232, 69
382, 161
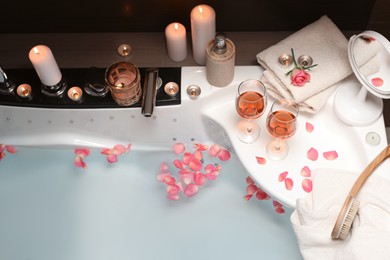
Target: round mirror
360, 103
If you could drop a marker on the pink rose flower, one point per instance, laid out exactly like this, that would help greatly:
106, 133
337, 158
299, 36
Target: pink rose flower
299, 77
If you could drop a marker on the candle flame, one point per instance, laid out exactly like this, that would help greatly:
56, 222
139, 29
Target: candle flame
36, 51
176, 26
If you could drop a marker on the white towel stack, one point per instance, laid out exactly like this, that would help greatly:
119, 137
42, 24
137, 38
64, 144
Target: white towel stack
327, 46
316, 214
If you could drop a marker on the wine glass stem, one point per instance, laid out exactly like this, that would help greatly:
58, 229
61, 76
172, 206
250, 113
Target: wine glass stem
249, 127
277, 145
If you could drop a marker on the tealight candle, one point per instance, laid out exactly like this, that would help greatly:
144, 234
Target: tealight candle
175, 34
202, 31
45, 65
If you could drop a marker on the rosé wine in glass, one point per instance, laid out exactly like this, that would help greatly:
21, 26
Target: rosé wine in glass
281, 124
251, 101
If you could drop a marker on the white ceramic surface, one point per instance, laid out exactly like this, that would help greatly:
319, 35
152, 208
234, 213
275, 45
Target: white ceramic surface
209, 118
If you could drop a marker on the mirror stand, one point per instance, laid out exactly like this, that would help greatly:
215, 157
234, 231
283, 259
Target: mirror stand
356, 106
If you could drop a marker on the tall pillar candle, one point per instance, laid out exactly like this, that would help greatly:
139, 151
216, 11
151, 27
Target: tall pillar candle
175, 35
45, 65
202, 31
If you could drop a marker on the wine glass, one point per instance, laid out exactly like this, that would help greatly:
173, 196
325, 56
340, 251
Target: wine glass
251, 102
281, 124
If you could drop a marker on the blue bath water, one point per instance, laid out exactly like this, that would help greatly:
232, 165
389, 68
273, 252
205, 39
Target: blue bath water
50, 209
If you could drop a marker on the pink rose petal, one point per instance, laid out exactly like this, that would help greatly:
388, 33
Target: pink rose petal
169, 180
261, 160
178, 148
119, 149
173, 197
10, 149
307, 185
306, 172
309, 127
282, 176
330, 155
201, 147
277, 204
199, 179
195, 165
377, 82
261, 195
289, 183
82, 152
187, 178
211, 176
191, 190
312, 154
161, 177
78, 162
164, 167
214, 150
249, 180
178, 164
112, 158
248, 197
279, 210
224, 155
251, 189
106, 151
173, 189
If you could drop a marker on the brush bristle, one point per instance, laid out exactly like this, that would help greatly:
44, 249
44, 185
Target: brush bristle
348, 220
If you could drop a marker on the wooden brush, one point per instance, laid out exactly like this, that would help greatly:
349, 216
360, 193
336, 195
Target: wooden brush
350, 207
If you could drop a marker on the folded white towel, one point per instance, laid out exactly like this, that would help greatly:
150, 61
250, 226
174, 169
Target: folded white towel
316, 214
327, 45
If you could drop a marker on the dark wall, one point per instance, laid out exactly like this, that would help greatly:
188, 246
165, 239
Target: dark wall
48, 16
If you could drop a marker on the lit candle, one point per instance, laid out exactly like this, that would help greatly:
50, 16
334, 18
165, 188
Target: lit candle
175, 34
45, 65
202, 31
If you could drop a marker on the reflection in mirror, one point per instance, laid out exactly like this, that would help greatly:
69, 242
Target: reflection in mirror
369, 56
371, 61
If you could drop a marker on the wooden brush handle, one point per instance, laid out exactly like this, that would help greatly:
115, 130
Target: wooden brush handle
368, 170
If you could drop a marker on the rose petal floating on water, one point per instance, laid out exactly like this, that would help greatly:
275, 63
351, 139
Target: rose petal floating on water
173, 197
191, 190
312, 154
201, 147
214, 150
289, 183
79, 162
306, 172
249, 180
262, 195
224, 155
261, 160
282, 176
307, 185
178, 148
309, 127
330, 155
251, 189
377, 82
10, 149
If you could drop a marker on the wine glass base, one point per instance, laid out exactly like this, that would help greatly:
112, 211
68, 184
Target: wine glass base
247, 136
277, 150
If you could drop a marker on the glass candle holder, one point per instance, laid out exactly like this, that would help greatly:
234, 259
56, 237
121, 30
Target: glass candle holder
123, 80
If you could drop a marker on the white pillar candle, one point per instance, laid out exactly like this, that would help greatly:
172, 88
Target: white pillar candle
45, 65
175, 34
202, 31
